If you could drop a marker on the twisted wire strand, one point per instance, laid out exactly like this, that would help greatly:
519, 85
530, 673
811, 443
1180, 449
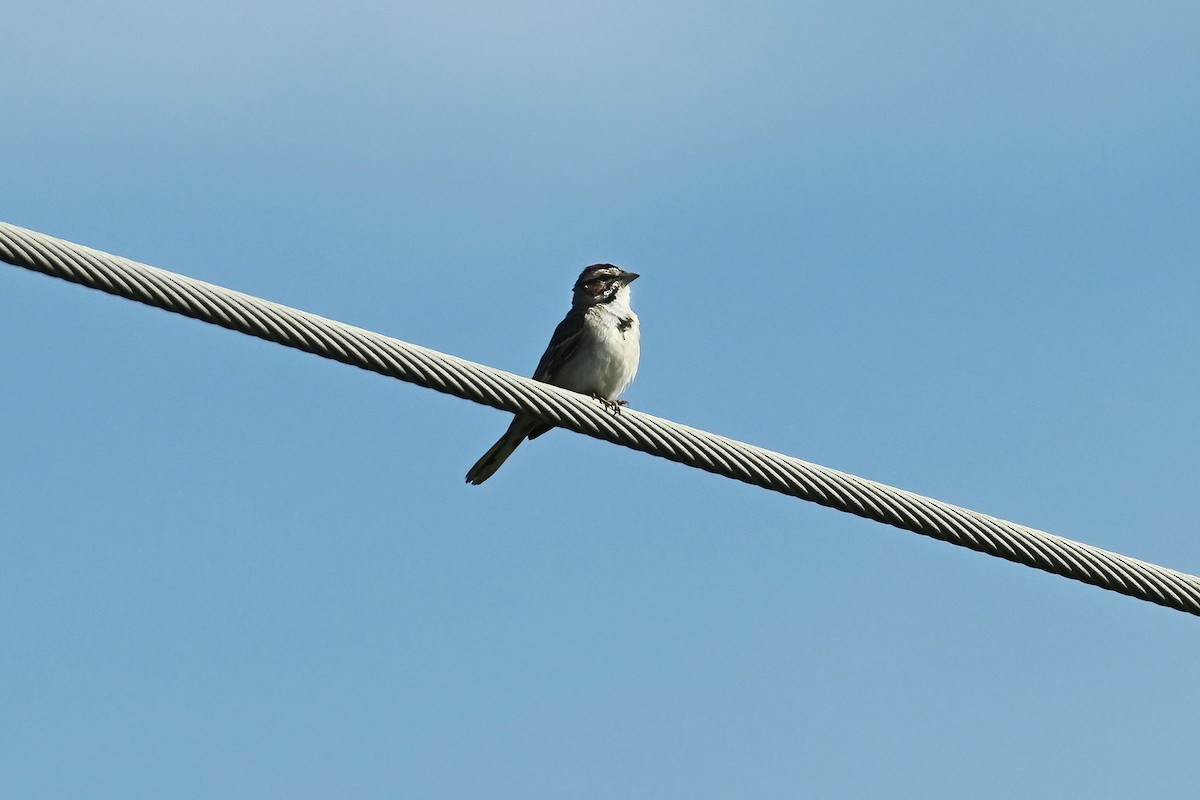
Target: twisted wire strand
659, 437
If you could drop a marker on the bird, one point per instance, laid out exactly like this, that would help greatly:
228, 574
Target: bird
594, 351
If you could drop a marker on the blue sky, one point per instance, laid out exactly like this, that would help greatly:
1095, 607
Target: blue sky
947, 246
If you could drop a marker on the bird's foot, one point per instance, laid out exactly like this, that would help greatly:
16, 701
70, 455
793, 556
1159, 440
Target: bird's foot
613, 406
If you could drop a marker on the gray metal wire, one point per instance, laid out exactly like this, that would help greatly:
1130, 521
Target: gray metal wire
659, 437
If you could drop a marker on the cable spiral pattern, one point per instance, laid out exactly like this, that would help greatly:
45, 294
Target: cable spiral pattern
633, 429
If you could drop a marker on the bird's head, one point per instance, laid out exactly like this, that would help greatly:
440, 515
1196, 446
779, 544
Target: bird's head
603, 283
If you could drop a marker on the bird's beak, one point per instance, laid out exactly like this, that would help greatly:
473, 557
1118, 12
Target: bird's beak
629, 277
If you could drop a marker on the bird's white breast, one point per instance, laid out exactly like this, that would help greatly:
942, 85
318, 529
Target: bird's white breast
608, 353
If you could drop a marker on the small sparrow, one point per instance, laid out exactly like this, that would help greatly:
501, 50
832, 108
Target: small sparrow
594, 351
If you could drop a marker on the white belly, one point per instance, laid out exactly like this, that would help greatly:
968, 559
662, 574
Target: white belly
607, 358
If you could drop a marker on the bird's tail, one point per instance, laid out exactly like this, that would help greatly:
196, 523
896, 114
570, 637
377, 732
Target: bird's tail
496, 455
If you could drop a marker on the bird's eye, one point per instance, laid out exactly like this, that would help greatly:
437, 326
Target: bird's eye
595, 287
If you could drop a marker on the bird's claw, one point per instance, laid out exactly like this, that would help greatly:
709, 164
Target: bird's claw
613, 406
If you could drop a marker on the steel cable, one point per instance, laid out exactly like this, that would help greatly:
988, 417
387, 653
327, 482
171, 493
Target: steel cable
633, 429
